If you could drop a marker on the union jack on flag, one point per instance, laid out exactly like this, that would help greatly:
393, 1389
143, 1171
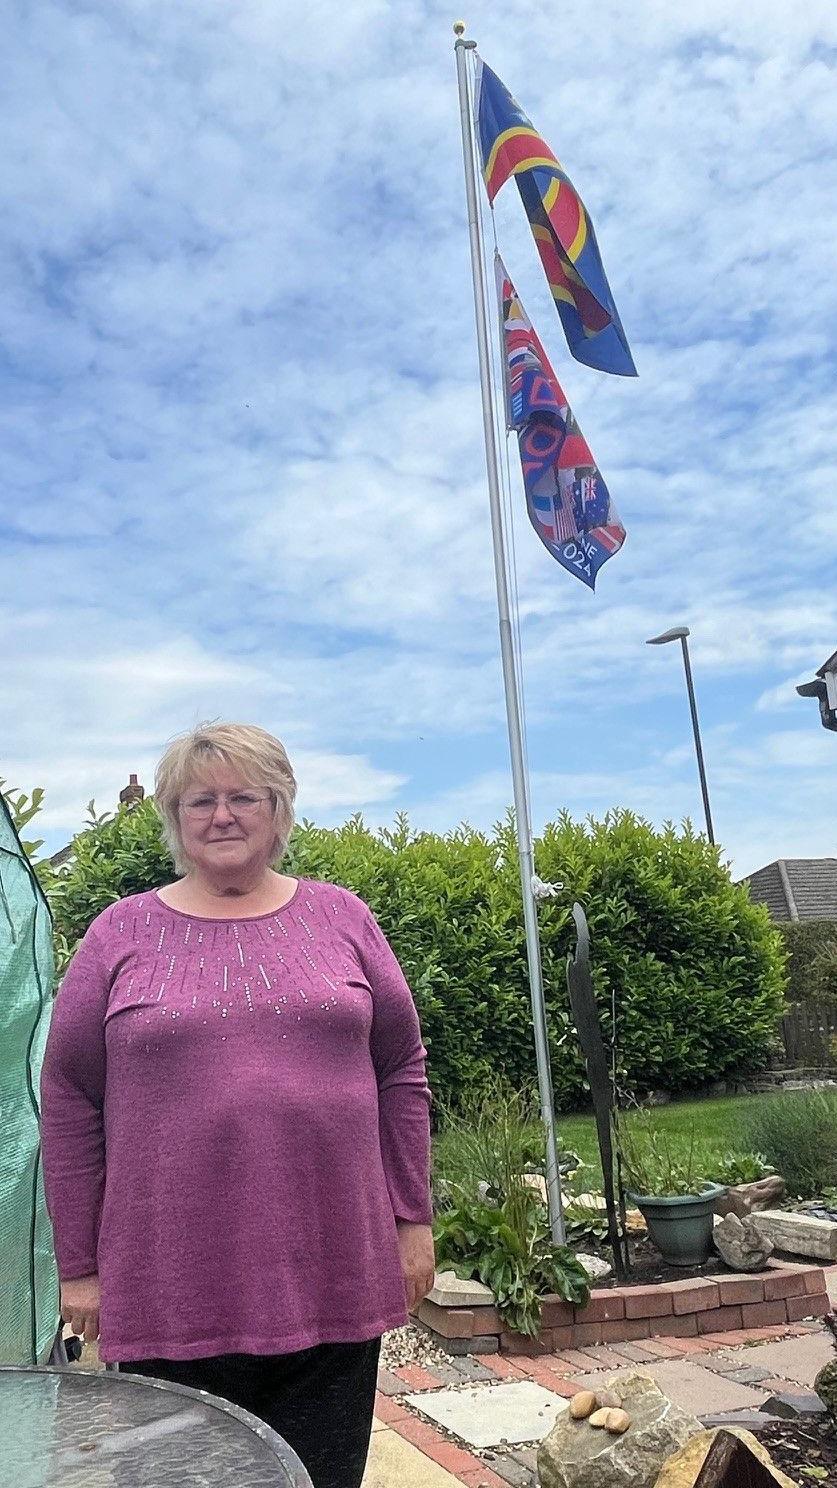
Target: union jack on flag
564, 236
567, 500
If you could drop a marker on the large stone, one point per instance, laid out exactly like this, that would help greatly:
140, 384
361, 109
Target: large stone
681, 1470
741, 1244
746, 1198
449, 1290
825, 1385
597, 1268
799, 1234
575, 1456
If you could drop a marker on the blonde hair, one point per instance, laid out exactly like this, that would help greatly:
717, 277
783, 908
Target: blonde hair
259, 757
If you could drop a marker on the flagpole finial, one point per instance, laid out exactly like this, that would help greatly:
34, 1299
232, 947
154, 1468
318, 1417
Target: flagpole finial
459, 28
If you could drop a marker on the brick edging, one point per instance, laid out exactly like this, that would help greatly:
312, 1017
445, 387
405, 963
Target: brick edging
731, 1302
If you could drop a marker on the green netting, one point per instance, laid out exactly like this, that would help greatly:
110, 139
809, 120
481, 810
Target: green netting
29, 1287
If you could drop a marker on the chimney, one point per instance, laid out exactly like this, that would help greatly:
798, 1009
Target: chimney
133, 792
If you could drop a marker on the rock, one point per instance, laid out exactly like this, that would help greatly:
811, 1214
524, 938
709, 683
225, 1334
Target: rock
799, 1234
608, 1398
596, 1267
681, 1470
582, 1404
599, 1417
791, 1407
538, 1183
617, 1422
745, 1198
741, 1244
634, 1221
572, 1457
825, 1385
449, 1290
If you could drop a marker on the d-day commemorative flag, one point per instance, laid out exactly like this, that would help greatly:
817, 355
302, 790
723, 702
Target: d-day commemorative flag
569, 504
563, 233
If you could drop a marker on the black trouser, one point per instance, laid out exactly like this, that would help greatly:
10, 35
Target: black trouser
321, 1400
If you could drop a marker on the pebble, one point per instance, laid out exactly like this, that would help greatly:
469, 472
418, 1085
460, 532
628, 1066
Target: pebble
617, 1421
582, 1404
410, 1345
609, 1398
599, 1418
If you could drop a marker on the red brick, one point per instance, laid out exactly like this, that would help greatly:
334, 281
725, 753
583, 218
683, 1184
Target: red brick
635, 1353
764, 1315
560, 1338
783, 1284
519, 1343
559, 1365
805, 1307
604, 1357
448, 1322
416, 1377
482, 1477
624, 1330
387, 1409
815, 1281
576, 1360
557, 1313
604, 1306
559, 1386
647, 1301
486, 1322
721, 1319
694, 1296
584, 1333
436, 1446
660, 1349
500, 1366
686, 1346
739, 1289
674, 1327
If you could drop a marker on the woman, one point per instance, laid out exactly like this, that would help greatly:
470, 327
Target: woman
235, 1119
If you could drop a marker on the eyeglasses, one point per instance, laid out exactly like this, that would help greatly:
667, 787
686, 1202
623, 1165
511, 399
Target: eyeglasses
240, 803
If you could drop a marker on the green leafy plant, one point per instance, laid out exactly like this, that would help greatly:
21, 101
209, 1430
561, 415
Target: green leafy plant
585, 1225
653, 1163
738, 1167
797, 1132
811, 947
508, 1248
694, 967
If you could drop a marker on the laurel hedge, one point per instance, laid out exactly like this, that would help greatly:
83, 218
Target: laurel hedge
693, 969
811, 947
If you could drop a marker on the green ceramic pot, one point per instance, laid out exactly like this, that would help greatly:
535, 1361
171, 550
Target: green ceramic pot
681, 1225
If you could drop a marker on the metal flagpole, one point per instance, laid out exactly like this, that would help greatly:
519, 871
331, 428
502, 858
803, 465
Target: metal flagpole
510, 682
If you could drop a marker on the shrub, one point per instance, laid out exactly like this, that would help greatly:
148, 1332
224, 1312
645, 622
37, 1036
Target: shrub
737, 1167
797, 1132
694, 969
811, 947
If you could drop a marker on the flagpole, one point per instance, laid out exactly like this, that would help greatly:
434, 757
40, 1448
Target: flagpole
510, 680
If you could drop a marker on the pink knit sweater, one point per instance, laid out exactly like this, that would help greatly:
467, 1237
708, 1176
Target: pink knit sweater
235, 1113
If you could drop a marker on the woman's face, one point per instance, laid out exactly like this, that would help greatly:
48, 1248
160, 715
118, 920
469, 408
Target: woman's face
226, 830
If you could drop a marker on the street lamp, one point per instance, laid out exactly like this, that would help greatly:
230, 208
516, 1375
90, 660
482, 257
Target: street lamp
824, 689
681, 633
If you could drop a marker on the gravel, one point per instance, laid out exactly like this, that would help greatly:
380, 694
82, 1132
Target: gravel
410, 1345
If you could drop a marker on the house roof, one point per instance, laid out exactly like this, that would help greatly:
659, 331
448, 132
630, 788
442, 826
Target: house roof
796, 888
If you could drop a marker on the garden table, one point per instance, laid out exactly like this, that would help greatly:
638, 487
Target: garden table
65, 1427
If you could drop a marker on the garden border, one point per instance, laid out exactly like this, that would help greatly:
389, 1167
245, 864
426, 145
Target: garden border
784, 1294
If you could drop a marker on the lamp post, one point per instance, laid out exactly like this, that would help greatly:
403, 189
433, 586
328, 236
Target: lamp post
681, 633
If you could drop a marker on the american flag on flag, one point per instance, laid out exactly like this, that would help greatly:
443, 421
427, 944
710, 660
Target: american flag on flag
567, 500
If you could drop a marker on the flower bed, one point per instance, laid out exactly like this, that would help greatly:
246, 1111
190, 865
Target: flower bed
463, 1319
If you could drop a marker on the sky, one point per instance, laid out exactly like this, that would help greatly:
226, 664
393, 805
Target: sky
240, 424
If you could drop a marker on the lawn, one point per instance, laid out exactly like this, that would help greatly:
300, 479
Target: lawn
717, 1125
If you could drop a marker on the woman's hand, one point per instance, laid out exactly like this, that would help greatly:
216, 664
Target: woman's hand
80, 1306
415, 1242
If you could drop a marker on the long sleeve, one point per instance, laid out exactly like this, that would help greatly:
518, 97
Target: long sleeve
399, 1057
72, 1111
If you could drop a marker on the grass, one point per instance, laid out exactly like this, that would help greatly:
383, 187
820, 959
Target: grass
718, 1125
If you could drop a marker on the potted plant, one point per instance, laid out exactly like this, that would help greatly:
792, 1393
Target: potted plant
665, 1182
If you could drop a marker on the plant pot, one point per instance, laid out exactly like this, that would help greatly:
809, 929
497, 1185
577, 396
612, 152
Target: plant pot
680, 1225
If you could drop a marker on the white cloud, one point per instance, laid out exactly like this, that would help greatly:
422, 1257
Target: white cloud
241, 427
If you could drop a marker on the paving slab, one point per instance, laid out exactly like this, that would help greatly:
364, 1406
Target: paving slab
795, 1359
487, 1416
392, 1460
696, 1389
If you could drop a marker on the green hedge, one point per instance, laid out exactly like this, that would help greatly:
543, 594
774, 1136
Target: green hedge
811, 947
695, 967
